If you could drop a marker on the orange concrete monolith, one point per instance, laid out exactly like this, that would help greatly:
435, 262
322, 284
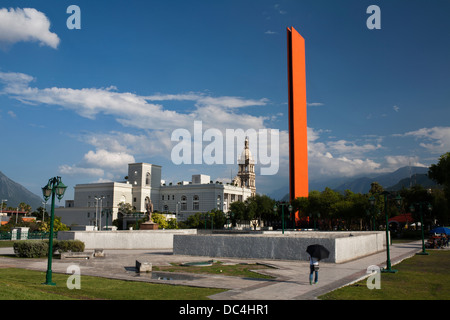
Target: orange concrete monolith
298, 142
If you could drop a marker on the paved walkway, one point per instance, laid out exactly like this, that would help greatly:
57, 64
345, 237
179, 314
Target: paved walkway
291, 277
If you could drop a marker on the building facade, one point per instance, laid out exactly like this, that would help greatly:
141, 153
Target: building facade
97, 204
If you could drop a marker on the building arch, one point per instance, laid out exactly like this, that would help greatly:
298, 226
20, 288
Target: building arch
196, 203
183, 203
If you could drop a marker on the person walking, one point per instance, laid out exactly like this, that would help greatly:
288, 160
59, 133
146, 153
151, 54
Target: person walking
316, 253
313, 270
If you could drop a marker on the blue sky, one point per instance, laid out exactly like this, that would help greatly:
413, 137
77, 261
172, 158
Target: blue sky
81, 104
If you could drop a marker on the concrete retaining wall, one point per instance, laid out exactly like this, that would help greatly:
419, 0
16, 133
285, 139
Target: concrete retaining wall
349, 248
343, 246
125, 239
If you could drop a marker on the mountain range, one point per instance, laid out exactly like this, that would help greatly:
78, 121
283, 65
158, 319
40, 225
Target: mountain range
403, 177
15, 193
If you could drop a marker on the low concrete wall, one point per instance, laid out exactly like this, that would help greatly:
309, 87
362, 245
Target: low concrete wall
359, 245
343, 246
125, 239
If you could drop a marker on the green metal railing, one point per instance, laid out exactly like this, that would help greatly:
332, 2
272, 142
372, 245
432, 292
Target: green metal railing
37, 235
5, 236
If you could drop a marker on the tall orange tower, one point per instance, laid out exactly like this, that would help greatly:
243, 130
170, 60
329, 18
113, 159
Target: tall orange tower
298, 142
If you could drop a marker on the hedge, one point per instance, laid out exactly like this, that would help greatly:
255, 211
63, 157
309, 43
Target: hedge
39, 248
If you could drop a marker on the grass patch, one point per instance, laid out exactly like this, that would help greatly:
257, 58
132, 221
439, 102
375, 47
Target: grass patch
235, 270
21, 284
418, 278
7, 243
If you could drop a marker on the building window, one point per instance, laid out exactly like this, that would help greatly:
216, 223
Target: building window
166, 208
134, 199
173, 197
162, 197
147, 179
218, 202
196, 203
183, 203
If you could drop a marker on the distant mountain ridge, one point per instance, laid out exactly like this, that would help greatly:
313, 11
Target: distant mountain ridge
403, 177
15, 193
386, 180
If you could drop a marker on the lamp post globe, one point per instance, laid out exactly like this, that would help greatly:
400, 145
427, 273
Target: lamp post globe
54, 188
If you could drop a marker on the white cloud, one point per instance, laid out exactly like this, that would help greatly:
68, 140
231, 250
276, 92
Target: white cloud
205, 100
98, 164
402, 161
315, 104
155, 122
334, 159
114, 150
350, 147
132, 110
436, 140
105, 159
75, 170
26, 24
277, 8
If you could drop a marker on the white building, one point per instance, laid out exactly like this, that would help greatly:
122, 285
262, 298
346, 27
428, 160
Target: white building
98, 203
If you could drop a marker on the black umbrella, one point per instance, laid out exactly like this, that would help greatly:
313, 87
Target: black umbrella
318, 251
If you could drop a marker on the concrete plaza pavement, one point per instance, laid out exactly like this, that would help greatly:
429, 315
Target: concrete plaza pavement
290, 282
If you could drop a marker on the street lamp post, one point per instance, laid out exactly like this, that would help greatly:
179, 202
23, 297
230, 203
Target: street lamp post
1, 208
372, 211
412, 208
43, 211
398, 200
107, 214
275, 209
100, 215
54, 187
99, 227
205, 215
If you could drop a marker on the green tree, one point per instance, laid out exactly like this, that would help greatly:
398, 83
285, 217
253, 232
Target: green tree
263, 207
440, 207
418, 194
378, 207
301, 205
356, 212
172, 223
160, 220
126, 208
195, 220
24, 207
440, 173
57, 225
40, 214
218, 218
328, 198
238, 209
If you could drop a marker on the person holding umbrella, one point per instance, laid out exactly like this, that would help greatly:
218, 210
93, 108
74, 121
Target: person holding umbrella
316, 253
313, 269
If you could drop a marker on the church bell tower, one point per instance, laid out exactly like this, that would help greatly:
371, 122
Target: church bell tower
246, 174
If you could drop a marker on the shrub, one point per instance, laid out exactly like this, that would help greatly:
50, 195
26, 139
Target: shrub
31, 249
68, 245
39, 248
